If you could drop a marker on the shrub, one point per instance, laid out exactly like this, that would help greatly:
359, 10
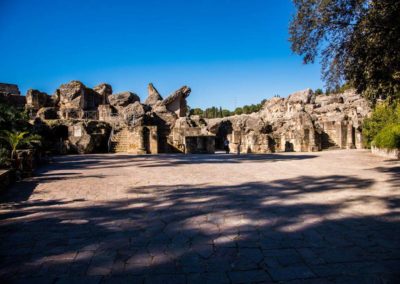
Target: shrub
388, 137
382, 116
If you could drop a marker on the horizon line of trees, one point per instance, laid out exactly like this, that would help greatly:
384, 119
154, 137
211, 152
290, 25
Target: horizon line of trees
219, 112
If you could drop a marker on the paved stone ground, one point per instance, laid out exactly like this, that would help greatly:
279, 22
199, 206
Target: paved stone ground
328, 217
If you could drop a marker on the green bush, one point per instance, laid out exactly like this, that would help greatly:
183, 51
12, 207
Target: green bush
382, 116
388, 137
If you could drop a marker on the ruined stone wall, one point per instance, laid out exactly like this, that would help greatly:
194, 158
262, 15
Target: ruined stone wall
199, 144
302, 122
142, 140
11, 89
10, 94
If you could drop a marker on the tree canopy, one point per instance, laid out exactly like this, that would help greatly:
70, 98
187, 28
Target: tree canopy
358, 42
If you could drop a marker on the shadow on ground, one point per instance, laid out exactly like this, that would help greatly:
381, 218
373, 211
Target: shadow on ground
169, 160
250, 232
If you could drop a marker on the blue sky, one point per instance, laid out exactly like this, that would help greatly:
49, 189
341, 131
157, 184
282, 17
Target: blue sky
230, 52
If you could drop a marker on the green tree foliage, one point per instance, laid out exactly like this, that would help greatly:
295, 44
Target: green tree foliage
384, 115
218, 112
11, 118
196, 111
357, 40
238, 110
225, 113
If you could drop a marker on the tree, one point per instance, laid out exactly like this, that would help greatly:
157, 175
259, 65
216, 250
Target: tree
318, 92
238, 110
196, 111
16, 139
358, 41
225, 113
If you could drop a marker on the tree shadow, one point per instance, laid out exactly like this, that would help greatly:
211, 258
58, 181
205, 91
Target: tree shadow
393, 173
251, 232
98, 161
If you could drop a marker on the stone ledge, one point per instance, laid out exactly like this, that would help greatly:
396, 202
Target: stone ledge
386, 153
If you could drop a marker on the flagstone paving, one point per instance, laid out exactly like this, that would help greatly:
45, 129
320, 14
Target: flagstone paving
326, 217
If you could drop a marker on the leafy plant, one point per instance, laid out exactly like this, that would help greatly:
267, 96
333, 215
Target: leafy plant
17, 139
388, 137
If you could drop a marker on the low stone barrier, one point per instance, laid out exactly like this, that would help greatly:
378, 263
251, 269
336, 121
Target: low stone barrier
386, 153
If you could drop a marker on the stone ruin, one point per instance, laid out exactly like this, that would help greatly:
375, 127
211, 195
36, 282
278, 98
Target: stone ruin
89, 120
95, 119
303, 122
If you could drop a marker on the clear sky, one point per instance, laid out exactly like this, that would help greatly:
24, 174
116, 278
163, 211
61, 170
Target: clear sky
230, 52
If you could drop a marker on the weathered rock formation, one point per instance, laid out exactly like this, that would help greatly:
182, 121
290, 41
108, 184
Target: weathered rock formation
121, 100
103, 90
87, 137
36, 100
176, 102
153, 97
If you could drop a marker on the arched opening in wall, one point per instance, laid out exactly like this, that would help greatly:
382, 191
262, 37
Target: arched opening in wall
222, 134
289, 147
201, 145
326, 141
60, 134
146, 139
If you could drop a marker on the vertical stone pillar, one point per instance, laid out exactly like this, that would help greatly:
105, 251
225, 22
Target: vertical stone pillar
104, 112
341, 133
350, 142
141, 146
